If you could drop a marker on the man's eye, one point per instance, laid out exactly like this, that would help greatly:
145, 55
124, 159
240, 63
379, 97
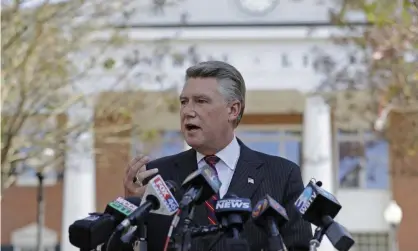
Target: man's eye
201, 101
183, 102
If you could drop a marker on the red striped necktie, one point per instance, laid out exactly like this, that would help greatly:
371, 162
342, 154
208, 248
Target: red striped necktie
210, 203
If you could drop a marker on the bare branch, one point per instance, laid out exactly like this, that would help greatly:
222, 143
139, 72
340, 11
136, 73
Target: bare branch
48, 57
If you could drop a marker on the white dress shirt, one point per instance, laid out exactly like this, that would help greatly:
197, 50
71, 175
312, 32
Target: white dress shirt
226, 166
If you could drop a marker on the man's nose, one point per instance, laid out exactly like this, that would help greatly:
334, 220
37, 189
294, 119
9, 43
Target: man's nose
188, 111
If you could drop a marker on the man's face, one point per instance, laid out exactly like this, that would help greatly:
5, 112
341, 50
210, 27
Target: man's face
205, 114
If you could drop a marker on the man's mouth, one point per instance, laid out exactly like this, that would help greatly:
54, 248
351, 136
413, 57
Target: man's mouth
192, 127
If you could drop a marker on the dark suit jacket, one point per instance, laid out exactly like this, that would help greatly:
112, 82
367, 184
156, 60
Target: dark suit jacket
276, 176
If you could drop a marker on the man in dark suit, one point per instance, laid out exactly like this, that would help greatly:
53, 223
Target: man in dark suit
212, 105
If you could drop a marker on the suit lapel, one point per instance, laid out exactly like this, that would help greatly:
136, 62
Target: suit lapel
185, 164
248, 173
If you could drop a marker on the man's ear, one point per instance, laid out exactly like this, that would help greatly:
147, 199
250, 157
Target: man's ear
234, 110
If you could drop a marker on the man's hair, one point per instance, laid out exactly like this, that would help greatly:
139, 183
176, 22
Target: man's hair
231, 82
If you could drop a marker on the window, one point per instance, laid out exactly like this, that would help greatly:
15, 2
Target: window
371, 242
165, 143
292, 146
281, 142
363, 161
284, 143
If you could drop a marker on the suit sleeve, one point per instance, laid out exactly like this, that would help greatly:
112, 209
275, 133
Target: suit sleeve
151, 165
296, 233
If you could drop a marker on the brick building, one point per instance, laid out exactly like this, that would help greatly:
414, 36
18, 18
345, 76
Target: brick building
273, 50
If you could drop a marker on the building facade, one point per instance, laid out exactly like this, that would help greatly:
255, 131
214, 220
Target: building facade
274, 46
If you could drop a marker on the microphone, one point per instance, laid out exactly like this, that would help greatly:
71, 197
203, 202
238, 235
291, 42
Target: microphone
319, 207
270, 215
315, 203
339, 236
158, 199
200, 186
95, 230
232, 212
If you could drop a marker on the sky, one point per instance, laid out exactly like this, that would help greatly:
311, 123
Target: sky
29, 3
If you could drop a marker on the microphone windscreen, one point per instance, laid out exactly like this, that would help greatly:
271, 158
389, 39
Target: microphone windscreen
89, 232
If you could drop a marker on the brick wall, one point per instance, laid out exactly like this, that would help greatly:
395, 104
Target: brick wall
18, 209
405, 176
112, 156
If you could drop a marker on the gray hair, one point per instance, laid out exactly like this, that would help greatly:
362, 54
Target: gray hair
231, 82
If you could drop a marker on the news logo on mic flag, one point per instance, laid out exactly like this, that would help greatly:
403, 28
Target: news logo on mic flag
315, 201
233, 204
305, 199
164, 193
123, 206
259, 207
268, 207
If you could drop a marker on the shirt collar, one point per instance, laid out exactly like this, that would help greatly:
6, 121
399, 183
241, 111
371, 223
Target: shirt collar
229, 155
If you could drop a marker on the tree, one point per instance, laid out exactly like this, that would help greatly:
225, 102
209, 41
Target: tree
379, 78
48, 49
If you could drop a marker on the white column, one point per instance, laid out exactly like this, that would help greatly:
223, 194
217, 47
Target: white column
317, 148
79, 192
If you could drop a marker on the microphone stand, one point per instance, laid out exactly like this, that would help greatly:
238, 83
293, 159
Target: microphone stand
187, 233
182, 234
315, 242
143, 238
141, 233
231, 227
275, 242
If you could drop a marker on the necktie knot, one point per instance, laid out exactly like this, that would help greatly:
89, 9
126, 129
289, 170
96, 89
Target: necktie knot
212, 160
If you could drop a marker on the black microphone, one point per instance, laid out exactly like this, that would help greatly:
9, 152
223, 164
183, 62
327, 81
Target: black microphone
319, 207
206, 230
94, 230
339, 236
270, 215
157, 199
200, 186
315, 203
232, 212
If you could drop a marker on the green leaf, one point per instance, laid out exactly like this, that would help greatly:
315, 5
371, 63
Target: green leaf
109, 63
